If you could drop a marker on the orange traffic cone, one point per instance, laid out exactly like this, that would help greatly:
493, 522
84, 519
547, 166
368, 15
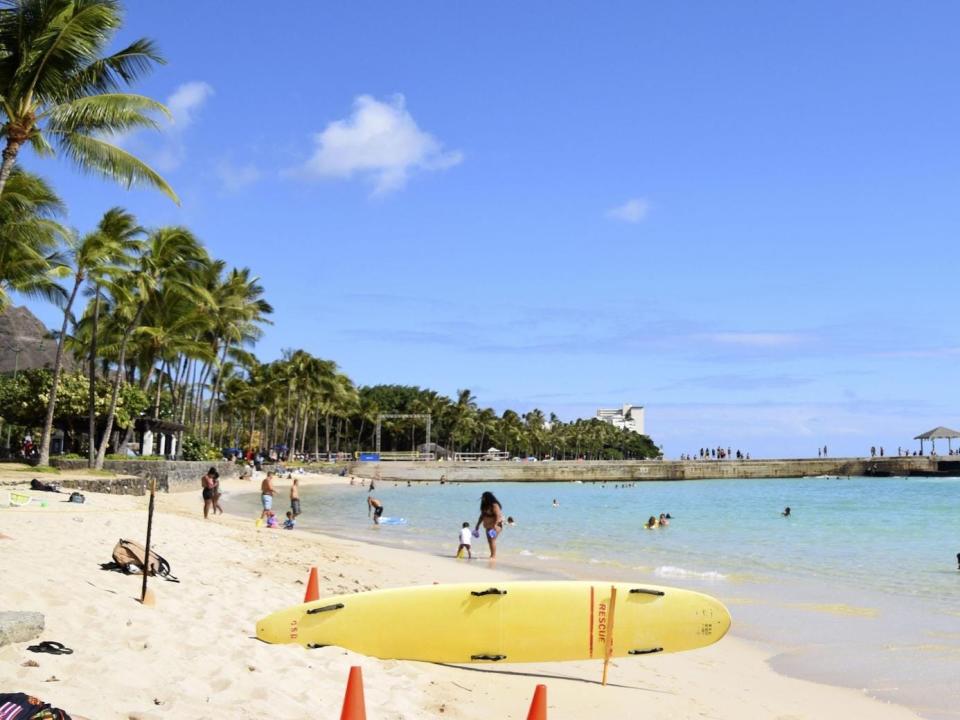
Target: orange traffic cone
538, 708
313, 587
353, 705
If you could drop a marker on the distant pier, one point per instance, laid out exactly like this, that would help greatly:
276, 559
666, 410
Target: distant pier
633, 470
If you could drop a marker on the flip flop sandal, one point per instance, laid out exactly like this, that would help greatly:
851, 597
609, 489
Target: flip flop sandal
51, 647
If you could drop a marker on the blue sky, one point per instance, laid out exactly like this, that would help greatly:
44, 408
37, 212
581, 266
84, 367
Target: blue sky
741, 215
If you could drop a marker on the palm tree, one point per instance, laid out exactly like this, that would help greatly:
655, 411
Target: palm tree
122, 230
29, 237
240, 310
58, 90
89, 256
172, 260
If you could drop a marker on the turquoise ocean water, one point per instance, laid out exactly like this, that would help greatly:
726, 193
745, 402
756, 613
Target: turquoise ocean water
860, 587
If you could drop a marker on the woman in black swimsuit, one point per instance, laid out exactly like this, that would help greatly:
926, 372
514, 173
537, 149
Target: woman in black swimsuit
491, 517
208, 483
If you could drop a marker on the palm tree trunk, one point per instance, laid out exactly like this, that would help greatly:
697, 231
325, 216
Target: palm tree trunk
360, 433
291, 440
92, 396
327, 432
9, 158
316, 433
197, 414
216, 390
303, 431
57, 369
115, 391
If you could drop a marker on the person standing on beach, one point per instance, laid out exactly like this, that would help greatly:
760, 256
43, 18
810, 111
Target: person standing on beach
491, 517
216, 490
267, 492
295, 497
376, 507
207, 483
466, 540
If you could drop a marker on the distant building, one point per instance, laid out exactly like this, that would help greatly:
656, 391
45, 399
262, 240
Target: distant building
625, 416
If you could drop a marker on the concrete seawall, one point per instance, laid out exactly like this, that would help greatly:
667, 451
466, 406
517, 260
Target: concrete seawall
171, 475
619, 471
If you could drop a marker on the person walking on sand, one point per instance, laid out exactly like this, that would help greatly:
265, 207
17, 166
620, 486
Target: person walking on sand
267, 492
208, 483
295, 497
375, 506
491, 517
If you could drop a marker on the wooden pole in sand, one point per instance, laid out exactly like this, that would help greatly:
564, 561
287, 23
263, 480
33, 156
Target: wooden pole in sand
146, 559
608, 649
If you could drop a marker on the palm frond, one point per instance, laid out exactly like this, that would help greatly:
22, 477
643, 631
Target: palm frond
112, 162
123, 68
105, 113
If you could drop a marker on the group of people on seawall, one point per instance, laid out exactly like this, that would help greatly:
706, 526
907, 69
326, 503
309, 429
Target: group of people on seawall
717, 453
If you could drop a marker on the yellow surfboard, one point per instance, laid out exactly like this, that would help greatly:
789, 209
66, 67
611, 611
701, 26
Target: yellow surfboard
510, 622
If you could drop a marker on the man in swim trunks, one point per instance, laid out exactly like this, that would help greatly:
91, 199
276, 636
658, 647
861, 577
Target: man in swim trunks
375, 506
295, 497
266, 494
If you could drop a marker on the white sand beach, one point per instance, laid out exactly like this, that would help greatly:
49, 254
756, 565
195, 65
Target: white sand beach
194, 655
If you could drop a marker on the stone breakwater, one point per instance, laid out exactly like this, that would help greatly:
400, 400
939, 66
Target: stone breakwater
171, 475
635, 470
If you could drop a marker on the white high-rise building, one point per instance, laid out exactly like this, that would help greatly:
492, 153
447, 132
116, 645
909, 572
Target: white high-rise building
626, 416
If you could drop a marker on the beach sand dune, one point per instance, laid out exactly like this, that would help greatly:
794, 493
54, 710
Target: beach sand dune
194, 654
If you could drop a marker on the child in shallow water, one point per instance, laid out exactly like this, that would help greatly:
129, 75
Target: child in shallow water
290, 522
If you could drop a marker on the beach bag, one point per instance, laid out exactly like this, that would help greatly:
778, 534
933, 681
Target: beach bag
76, 497
129, 556
26, 707
44, 487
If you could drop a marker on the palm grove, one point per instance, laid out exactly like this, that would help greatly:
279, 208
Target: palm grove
156, 325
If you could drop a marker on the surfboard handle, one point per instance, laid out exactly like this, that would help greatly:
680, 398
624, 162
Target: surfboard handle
325, 608
493, 658
488, 591
648, 651
645, 591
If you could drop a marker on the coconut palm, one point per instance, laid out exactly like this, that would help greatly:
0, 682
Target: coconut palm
60, 92
29, 237
91, 255
240, 311
171, 262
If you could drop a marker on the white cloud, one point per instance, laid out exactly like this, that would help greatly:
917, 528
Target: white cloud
184, 104
379, 140
185, 101
632, 211
236, 177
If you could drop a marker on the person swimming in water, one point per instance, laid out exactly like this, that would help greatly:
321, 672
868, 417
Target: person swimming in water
786, 512
662, 521
651, 523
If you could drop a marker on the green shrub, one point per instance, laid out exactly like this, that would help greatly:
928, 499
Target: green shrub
195, 448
